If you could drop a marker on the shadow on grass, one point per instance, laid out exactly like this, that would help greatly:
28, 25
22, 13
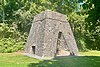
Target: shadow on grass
69, 61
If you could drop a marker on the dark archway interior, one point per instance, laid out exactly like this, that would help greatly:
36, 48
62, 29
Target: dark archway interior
33, 49
62, 47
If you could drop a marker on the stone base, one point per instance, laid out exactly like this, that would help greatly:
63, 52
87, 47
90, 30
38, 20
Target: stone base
63, 53
38, 57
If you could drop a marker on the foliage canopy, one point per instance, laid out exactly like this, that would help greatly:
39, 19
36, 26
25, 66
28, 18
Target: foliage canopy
16, 18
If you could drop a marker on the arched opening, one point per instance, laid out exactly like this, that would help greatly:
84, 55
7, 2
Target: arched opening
62, 48
33, 49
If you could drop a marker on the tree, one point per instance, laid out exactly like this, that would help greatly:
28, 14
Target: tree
93, 23
19, 15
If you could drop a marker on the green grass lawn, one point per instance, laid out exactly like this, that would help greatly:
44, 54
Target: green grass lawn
90, 59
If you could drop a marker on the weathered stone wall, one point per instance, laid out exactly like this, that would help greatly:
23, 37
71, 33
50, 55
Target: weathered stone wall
44, 35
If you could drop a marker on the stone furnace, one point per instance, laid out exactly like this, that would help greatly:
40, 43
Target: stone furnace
50, 36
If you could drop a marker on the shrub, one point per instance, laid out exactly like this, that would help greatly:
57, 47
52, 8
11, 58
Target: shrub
11, 39
10, 45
